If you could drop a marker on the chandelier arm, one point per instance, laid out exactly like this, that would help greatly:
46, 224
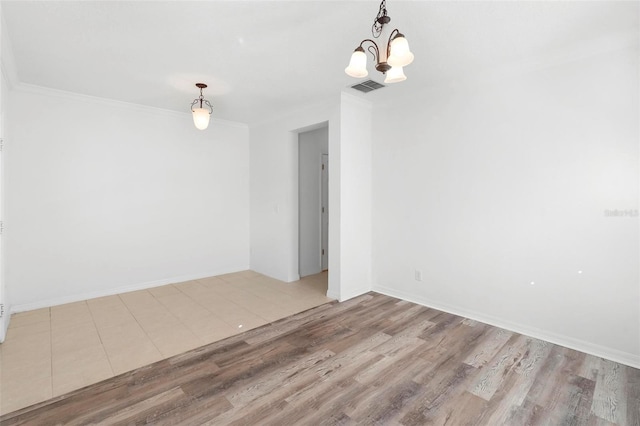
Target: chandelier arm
202, 101
391, 36
375, 53
209, 105
373, 49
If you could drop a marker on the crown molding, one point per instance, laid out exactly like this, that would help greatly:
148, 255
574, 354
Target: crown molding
145, 109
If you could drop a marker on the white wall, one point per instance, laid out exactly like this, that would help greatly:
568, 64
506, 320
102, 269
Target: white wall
274, 194
312, 145
356, 196
103, 197
274, 189
490, 188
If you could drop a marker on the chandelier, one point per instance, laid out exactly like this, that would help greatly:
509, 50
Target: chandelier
389, 61
201, 114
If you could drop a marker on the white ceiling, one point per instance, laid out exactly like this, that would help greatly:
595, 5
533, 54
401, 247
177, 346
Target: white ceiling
264, 58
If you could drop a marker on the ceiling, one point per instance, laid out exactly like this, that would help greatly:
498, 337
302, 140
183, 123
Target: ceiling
265, 58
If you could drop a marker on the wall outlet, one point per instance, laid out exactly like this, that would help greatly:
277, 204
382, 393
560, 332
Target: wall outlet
418, 275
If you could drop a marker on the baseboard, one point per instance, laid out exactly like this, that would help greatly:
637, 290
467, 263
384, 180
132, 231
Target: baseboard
621, 357
117, 290
355, 293
332, 295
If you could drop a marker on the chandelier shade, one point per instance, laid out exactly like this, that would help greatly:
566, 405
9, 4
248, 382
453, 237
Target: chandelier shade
358, 64
395, 75
400, 55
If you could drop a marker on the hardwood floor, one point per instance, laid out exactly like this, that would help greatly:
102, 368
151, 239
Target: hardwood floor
370, 360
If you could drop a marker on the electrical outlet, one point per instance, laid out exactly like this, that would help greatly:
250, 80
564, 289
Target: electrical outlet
418, 275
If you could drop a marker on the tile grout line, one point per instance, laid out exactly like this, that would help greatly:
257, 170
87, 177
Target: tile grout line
233, 327
244, 307
252, 280
202, 340
167, 311
266, 300
140, 325
100, 338
243, 290
273, 289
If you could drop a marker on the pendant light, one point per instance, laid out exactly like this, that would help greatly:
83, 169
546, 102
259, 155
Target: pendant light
201, 115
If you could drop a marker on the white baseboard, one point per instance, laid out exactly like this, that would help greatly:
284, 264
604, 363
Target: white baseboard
332, 295
354, 293
621, 357
117, 290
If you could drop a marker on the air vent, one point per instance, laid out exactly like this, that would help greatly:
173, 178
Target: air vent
367, 86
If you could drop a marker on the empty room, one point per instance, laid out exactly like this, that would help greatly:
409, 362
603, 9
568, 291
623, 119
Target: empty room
320, 212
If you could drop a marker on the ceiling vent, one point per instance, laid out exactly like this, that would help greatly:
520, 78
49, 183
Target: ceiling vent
368, 86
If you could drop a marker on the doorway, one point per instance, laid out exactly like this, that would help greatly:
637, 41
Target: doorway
313, 204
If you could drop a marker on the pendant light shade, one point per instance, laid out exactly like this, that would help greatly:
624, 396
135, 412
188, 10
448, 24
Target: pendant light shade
201, 118
395, 75
201, 109
358, 64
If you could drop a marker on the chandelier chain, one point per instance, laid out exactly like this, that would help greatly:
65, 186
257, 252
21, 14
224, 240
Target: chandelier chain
379, 22
202, 101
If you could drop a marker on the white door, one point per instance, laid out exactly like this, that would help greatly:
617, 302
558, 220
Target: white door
325, 212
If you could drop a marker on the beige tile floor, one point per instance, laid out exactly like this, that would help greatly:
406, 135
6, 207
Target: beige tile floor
51, 351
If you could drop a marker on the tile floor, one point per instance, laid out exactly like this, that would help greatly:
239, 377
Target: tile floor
51, 351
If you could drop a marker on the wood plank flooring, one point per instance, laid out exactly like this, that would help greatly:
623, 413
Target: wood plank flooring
371, 360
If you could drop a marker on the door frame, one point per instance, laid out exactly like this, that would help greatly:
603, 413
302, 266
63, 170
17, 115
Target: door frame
324, 215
